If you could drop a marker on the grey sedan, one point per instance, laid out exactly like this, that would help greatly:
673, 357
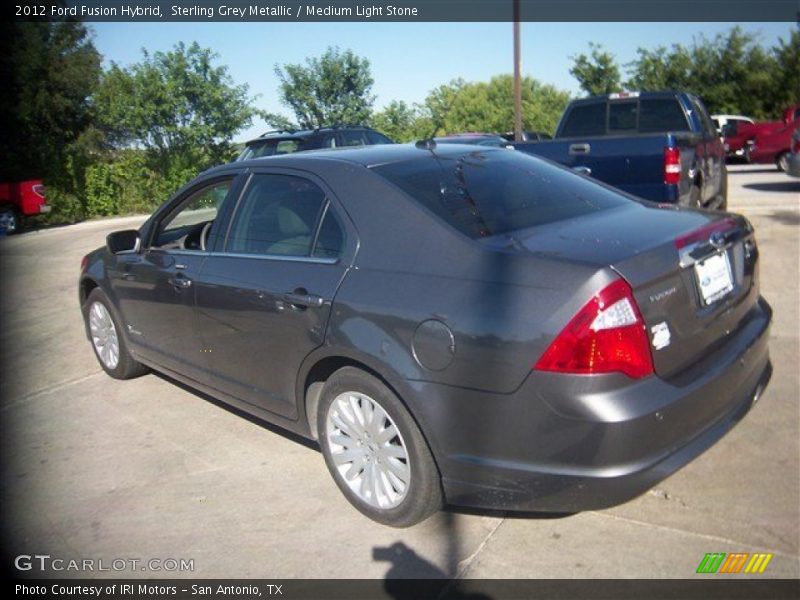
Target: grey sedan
453, 324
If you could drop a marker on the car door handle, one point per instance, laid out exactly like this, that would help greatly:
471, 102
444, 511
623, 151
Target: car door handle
579, 149
302, 298
181, 282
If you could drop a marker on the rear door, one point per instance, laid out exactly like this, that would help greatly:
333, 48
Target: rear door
264, 297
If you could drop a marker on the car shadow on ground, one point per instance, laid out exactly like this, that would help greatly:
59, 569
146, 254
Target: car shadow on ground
767, 169
791, 185
786, 217
240, 413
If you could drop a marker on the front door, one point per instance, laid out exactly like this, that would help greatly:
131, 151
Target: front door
263, 302
155, 287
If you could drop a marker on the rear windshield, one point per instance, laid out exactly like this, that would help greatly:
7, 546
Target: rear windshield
648, 115
486, 192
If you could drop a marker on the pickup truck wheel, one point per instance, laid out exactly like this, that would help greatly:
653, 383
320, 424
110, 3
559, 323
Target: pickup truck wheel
782, 162
108, 339
375, 451
723, 190
694, 197
10, 220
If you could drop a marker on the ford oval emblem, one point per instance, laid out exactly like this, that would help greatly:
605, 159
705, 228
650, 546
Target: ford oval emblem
717, 239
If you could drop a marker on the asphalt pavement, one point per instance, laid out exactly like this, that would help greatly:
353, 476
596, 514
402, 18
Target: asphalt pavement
146, 469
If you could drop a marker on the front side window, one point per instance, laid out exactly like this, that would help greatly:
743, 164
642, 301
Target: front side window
187, 227
278, 215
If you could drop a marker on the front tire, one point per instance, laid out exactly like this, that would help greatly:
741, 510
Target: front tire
375, 451
108, 339
10, 220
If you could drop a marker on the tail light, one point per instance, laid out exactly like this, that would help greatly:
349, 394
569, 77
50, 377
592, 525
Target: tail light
84, 263
38, 189
607, 335
672, 166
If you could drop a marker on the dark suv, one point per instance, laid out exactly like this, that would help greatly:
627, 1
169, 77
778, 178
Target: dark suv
286, 141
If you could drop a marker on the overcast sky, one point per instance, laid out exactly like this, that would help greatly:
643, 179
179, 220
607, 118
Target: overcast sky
408, 59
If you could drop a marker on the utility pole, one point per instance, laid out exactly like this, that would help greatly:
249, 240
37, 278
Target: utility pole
517, 76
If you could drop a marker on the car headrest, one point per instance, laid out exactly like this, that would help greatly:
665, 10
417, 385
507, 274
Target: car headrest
290, 224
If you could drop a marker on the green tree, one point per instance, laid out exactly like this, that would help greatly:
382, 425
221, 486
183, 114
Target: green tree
332, 89
732, 72
489, 106
177, 106
49, 71
402, 122
597, 73
785, 73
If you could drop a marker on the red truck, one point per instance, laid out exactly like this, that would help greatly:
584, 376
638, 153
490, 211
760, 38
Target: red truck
18, 200
773, 147
769, 135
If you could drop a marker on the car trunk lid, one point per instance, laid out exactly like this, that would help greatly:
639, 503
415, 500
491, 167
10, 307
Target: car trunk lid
692, 272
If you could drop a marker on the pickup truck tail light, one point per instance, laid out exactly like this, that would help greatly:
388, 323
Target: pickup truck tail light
38, 189
606, 335
672, 166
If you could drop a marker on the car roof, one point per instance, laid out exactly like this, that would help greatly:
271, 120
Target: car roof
366, 156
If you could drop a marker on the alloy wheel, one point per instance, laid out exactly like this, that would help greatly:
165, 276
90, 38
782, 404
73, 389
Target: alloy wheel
104, 335
368, 450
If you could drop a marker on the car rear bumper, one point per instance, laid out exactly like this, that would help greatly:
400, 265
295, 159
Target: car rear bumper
565, 443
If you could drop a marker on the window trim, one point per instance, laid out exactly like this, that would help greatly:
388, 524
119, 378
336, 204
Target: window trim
308, 258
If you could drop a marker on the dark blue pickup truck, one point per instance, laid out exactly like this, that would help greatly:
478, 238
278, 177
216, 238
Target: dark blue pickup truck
661, 146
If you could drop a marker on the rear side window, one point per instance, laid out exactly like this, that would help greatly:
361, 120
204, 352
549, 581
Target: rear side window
661, 114
270, 148
486, 193
378, 138
277, 215
586, 119
353, 138
330, 239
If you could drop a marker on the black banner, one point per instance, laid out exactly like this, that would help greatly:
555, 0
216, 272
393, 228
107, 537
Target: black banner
418, 589
409, 10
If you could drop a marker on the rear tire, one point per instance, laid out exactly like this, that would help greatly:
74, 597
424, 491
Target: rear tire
723, 189
108, 339
782, 162
375, 451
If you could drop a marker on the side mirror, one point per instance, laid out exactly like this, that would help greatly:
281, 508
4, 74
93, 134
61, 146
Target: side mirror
123, 242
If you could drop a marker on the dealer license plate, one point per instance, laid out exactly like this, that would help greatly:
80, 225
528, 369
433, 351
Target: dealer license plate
714, 277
